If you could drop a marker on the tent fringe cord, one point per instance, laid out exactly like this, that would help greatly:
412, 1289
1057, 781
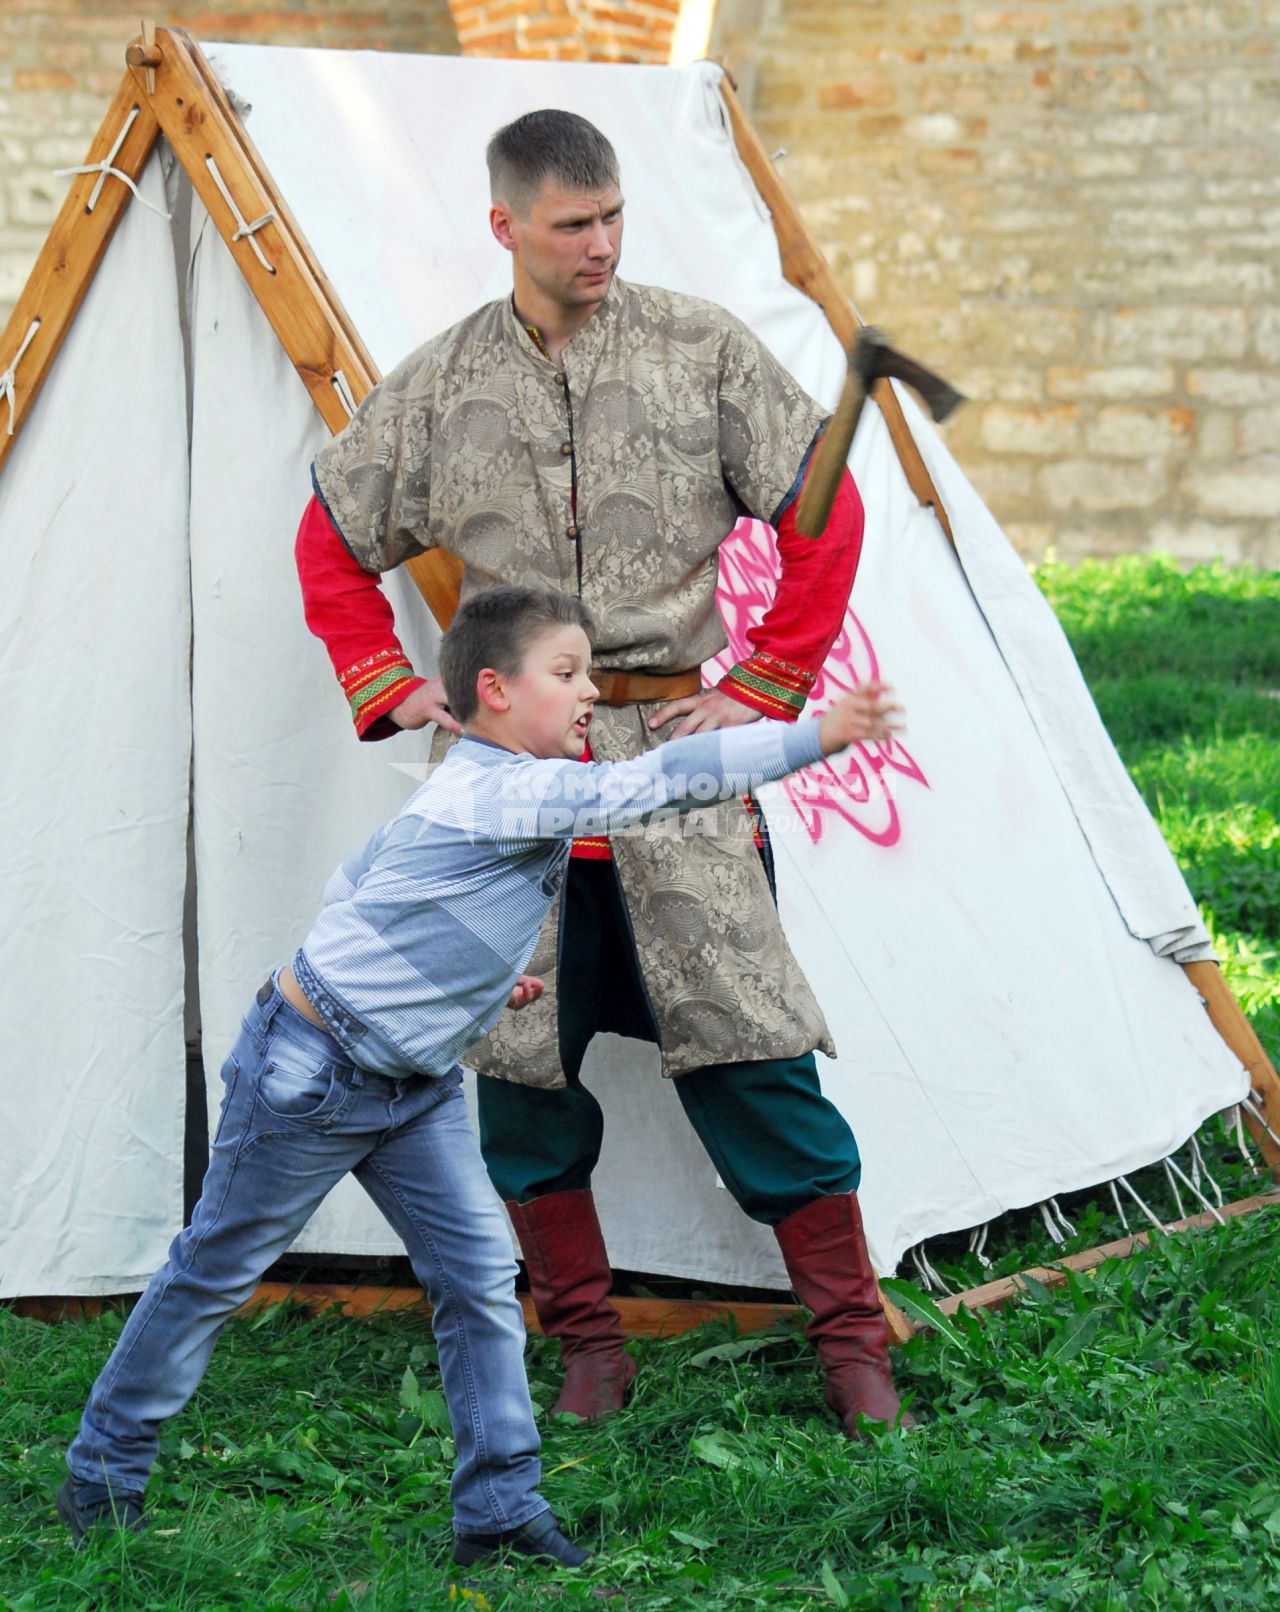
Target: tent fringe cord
1173, 1185
244, 230
1129, 1188
1200, 1168
1055, 1222
1062, 1219
1233, 1118
1115, 1198
104, 169
978, 1244
1248, 1102
1172, 1165
932, 1282
8, 377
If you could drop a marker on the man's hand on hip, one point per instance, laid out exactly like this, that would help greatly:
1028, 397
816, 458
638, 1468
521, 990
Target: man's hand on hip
424, 704
703, 712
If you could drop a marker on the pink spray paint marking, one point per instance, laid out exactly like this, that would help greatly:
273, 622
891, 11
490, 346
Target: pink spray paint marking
857, 785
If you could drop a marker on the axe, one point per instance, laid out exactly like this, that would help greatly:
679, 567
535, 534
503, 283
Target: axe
873, 358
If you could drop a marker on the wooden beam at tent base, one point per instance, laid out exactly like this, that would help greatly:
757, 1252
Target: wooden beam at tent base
994, 1295
655, 1318
70, 256
805, 268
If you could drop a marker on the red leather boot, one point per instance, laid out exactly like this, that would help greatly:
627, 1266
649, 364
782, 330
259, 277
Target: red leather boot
826, 1258
569, 1278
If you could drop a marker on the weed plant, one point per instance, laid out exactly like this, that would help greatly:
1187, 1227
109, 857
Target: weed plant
1111, 1445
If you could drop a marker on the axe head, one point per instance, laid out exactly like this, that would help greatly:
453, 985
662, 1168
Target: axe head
875, 358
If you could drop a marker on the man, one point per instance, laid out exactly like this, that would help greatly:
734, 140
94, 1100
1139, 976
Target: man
603, 439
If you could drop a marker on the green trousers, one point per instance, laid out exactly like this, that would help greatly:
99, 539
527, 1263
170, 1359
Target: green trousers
777, 1143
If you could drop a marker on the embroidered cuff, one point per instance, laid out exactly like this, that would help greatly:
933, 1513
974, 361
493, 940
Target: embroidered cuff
375, 684
777, 688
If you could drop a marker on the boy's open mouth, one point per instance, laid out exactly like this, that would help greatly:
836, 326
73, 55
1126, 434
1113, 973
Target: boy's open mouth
582, 724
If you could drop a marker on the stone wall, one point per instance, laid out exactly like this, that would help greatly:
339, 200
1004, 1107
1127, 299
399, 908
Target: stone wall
567, 30
1071, 209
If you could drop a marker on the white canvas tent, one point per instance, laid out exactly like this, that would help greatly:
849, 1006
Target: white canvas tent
987, 912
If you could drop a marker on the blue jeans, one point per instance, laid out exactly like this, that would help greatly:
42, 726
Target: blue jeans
296, 1116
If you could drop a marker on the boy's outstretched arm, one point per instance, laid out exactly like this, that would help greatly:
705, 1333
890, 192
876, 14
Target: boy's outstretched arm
552, 799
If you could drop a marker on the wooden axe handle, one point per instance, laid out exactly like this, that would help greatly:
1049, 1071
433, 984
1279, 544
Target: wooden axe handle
872, 359
829, 459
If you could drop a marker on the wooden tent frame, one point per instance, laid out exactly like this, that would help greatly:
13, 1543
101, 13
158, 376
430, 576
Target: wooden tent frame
169, 88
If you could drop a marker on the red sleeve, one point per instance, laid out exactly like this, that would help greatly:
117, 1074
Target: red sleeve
797, 631
347, 610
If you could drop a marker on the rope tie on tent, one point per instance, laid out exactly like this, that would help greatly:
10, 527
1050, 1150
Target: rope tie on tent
342, 386
1129, 1188
1172, 1167
244, 231
1055, 1222
1173, 1186
1233, 1118
8, 377
1248, 1102
1115, 1198
105, 170
1200, 1168
929, 1278
978, 1244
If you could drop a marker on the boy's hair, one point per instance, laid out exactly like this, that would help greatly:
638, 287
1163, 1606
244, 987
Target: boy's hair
550, 143
495, 629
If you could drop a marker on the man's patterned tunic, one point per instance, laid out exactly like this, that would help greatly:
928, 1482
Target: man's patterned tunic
615, 473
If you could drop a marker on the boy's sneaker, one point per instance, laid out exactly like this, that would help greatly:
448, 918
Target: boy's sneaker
539, 1539
83, 1506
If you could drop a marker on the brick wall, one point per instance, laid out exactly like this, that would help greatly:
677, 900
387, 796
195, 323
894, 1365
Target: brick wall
61, 60
1072, 209
567, 30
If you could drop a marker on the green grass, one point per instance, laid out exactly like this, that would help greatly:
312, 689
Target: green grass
1112, 1445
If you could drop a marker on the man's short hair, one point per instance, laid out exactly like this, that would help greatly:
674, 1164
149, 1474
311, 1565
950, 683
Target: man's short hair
548, 144
495, 629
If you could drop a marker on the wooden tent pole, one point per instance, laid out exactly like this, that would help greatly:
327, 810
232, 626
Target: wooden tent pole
284, 275
805, 268
70, 256
1231, 1024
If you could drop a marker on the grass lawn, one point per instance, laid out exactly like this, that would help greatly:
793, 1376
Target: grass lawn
1112, 1445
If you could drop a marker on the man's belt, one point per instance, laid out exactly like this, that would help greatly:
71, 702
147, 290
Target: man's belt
634, 688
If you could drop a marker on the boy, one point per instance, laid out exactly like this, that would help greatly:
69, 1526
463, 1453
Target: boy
348, 1058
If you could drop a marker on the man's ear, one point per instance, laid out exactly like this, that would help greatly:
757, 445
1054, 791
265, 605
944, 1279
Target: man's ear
491, 690
500, 224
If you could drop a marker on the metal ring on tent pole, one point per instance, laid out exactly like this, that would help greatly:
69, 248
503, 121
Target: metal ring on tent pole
8, 377
244, 231
104, 168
